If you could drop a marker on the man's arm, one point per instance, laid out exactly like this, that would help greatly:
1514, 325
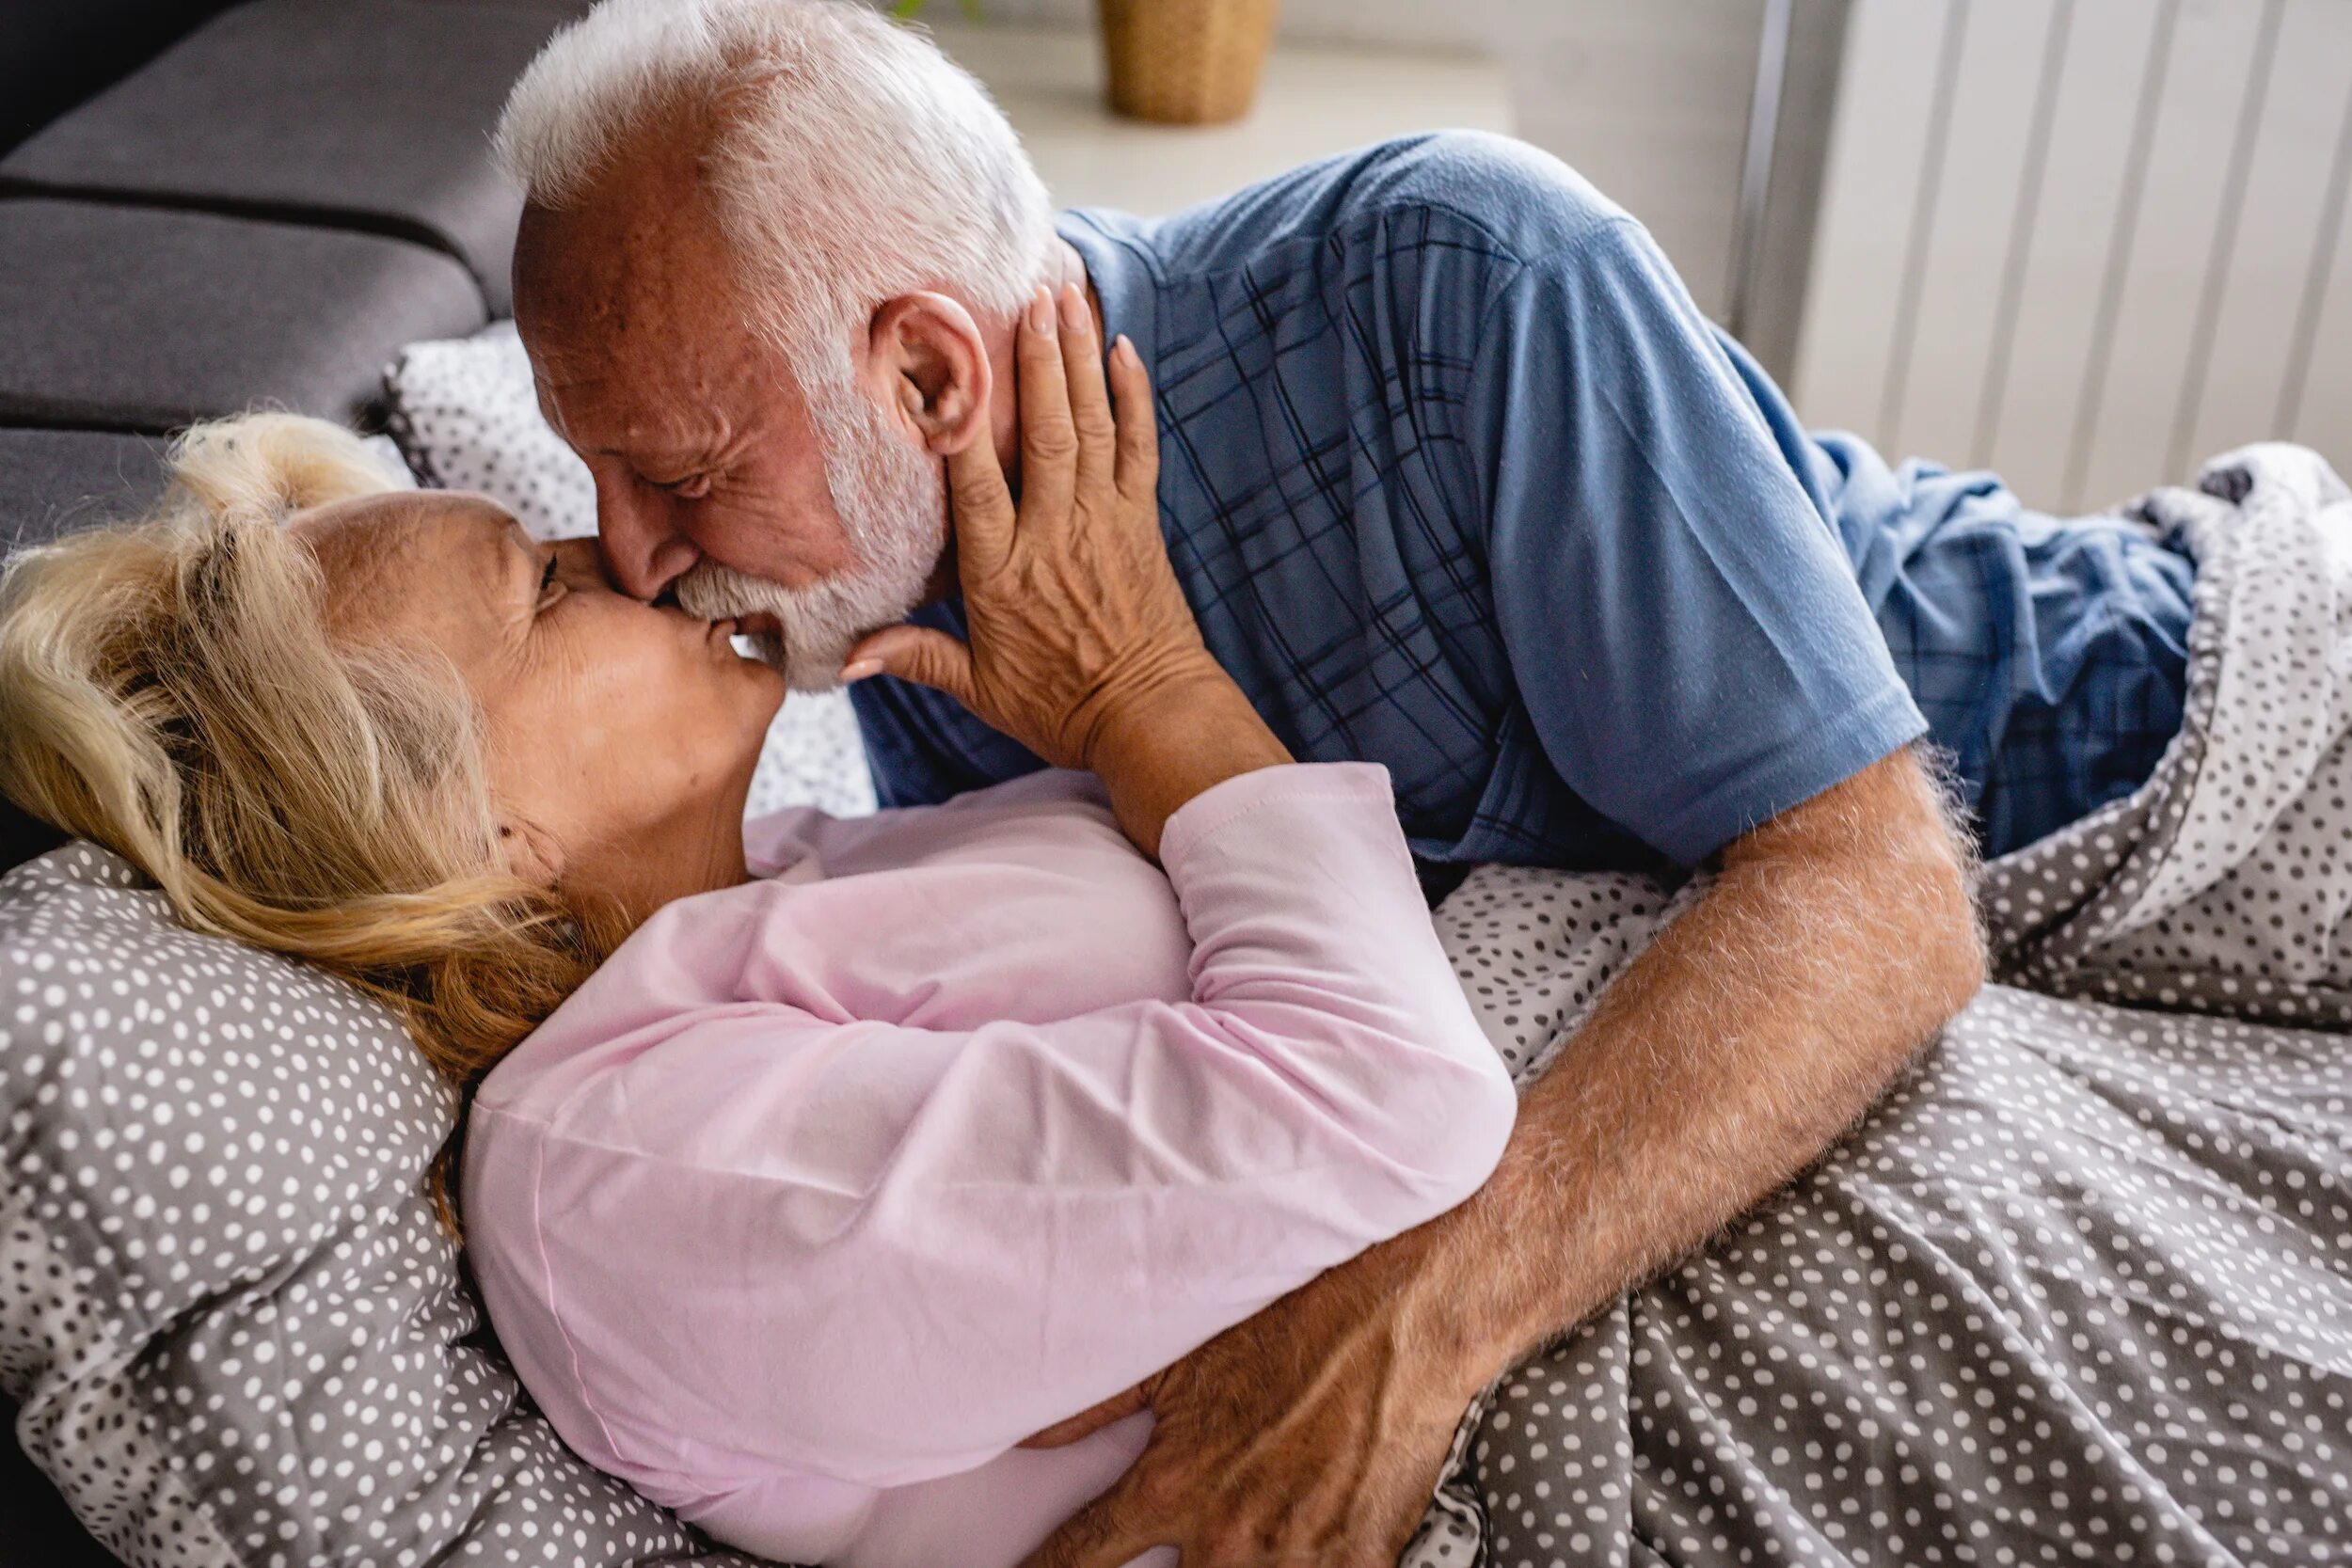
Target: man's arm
1838, 937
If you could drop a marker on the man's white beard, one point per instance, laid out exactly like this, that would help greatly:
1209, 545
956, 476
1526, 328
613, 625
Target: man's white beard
893, 505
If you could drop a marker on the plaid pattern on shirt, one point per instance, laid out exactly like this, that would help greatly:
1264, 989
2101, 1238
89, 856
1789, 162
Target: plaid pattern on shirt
1457, 480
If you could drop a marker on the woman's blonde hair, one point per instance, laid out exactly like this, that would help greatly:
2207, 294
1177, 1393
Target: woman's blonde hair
169, 689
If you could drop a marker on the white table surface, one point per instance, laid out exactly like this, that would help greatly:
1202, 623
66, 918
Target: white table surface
1314, 100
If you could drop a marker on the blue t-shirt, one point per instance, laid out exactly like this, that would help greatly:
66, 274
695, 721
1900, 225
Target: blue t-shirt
1458, 480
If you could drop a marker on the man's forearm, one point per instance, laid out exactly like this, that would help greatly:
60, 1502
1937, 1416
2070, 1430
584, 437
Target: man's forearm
1759, 1024
1723, 1061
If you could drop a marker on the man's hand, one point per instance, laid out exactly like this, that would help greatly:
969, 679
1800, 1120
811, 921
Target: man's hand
1309, 1436
1837, 938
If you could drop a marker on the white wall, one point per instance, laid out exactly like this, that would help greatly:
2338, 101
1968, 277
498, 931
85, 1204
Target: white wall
1650, 103
1647, 97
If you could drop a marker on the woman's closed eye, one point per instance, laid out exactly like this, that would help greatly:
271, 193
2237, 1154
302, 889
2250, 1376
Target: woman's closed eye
566, 567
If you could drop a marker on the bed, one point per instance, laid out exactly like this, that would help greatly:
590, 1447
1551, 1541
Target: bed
2079, 1288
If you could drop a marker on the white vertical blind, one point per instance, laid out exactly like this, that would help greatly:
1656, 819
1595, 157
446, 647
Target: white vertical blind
2058, 257
2087, 242
1943, 354
1878, 147
2317, 405
2301, 158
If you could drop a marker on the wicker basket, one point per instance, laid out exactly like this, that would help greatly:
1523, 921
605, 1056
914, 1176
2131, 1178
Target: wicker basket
1186, 62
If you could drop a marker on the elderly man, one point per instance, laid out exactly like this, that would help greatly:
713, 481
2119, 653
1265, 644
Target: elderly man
1457, 479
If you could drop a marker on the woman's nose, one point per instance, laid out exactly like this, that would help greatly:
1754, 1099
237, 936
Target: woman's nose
644, 551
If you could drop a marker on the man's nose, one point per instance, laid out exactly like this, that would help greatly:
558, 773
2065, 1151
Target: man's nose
644, 549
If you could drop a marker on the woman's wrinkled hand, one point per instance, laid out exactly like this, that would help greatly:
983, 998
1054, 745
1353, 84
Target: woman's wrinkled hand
1075, 615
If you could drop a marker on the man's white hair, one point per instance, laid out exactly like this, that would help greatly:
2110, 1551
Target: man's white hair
849, 160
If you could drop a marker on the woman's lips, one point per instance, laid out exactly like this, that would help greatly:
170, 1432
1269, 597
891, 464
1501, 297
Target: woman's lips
765, 632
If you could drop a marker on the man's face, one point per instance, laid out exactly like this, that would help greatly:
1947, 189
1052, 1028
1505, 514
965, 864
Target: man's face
718, 475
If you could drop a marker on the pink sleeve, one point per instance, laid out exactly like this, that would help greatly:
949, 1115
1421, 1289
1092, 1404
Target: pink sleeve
884, 1255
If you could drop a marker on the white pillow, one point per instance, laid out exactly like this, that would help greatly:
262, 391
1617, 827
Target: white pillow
465, 417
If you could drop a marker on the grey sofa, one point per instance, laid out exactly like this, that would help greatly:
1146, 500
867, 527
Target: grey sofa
259, 213
262, 212
206, 207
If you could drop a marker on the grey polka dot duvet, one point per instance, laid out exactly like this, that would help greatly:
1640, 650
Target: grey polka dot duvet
2080, 1289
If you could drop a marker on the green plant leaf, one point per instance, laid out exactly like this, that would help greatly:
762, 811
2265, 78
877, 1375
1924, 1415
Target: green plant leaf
906, 10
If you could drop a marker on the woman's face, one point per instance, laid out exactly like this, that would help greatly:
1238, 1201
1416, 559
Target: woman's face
622, 735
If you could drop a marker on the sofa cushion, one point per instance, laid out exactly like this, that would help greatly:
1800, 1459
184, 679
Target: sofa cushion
51, 481
137, 319
233, 1329
52, 56
364, 114
54, 480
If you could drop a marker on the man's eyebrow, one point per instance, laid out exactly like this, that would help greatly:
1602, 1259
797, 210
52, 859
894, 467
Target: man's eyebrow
686, 451
687, 459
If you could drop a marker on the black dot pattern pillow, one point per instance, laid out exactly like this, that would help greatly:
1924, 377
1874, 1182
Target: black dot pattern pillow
464, 413
235, 1331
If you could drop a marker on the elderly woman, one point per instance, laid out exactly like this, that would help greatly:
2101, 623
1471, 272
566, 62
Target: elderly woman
815, 1167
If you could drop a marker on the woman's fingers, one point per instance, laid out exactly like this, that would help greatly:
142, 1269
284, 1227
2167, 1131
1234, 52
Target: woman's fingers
1049, 443
1089, 404
919, 654
1139, 426
1087, 1423
982, 510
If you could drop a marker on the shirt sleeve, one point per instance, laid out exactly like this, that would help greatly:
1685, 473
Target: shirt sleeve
881, 1255
1679, 616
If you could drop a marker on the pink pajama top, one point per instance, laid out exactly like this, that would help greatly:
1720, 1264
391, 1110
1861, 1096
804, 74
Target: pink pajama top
829, 1189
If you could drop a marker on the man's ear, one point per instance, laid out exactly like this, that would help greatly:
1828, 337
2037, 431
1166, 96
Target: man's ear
531, 851
930, 365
